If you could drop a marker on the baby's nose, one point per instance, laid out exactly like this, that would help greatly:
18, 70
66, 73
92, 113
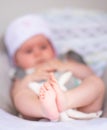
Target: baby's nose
37, 52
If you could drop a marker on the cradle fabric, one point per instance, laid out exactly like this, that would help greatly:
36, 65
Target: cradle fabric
83, 31
10, 122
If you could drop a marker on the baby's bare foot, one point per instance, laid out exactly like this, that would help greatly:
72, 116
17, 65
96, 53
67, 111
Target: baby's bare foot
48, 102
60, 95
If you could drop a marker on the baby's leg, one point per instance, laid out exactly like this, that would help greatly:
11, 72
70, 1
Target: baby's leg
48, 102
88, 97
32, 106
96, 105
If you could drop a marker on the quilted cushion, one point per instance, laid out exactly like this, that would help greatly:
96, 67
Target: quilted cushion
5, 85
83, 31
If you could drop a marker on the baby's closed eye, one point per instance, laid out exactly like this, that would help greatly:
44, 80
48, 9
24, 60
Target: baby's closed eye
28, 51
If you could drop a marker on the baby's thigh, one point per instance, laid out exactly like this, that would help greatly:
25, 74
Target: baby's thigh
95, 106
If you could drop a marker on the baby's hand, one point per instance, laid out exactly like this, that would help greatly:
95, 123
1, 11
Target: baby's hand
36, 76
50, 66
56, 64
59, 65
64, 66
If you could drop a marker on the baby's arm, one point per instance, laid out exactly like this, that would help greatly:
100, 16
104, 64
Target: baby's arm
79, 70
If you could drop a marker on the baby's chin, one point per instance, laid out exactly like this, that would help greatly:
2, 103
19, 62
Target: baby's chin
41, 62
28, 67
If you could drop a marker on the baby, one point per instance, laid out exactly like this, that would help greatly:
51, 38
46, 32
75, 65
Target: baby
30, 48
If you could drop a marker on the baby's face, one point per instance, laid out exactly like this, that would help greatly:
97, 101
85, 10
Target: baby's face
34, 51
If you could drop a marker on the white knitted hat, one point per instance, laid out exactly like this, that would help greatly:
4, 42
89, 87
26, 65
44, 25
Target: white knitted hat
22, 29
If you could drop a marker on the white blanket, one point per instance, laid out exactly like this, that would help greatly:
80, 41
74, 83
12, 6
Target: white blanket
10, 122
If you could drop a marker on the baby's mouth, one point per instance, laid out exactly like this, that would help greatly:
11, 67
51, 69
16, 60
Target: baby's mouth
40, 62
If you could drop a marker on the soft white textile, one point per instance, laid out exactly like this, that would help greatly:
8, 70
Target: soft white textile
10, 122
83, 31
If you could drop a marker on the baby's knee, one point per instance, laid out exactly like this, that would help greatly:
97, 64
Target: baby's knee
98, 82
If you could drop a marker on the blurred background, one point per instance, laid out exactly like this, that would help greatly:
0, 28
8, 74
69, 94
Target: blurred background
10, 9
